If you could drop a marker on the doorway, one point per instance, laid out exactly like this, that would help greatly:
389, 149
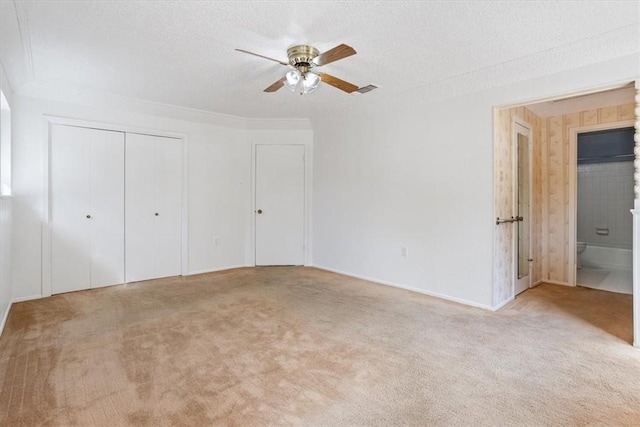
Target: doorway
604, 198
279, 204
556, 124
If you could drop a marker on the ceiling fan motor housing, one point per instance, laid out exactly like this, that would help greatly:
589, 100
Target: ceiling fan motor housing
301, 56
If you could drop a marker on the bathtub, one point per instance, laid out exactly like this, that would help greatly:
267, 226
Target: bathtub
606, 257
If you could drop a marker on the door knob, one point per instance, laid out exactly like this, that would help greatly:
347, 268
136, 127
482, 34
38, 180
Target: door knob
259, 211
156, 213
89, 216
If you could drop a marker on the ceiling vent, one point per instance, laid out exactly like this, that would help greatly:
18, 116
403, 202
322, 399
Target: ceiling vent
366, 89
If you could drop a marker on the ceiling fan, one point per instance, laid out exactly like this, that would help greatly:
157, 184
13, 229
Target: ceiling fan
303, 58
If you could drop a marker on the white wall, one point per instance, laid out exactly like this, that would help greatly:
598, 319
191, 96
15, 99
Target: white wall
5, 202
5, 258
418, 173
219, 195
414, 178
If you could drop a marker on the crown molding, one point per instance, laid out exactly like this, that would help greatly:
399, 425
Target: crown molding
82, 96
25, 37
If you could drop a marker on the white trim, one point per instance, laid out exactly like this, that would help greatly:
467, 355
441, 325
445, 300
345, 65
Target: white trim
573, 189
49, 121
5, 316
73, 94
557, 282
502, 304
215, 270
408, 288
539, 282
23, 299
636, 273
184, 219
563, 95
544, 201
25, 37
116, 127
308, 178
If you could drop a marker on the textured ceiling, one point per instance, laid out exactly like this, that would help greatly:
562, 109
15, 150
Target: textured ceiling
182, 53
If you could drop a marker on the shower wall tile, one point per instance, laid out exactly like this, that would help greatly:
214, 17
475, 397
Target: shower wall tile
605, 197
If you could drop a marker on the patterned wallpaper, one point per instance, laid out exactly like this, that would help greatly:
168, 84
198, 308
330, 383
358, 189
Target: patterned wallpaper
555, 134
503, 187
550, 203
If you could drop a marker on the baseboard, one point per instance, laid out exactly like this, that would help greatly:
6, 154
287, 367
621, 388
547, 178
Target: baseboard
539, 282
215, 270
23, 299
5, 316
556, 282
406, 288
502, 304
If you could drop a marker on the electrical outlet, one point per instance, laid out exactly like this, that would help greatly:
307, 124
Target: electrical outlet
405, 251
216, 240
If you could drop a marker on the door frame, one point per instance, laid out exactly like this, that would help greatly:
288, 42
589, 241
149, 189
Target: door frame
48, 122
514, 135
572, 274
250, 257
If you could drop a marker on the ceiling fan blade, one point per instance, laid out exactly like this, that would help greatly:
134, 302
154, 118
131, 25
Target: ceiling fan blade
262, 56
274, 87
338, 83
338, 52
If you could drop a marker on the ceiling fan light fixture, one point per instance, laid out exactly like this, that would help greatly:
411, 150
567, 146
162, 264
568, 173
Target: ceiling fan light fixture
303, 58
310, 82
291, 79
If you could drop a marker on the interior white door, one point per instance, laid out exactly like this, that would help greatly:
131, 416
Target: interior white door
279, 203
70, 206
140, 208
168, 201
107, 208
522, 206
87, 208
153, 207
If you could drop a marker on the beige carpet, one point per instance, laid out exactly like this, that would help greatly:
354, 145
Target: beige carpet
300, 346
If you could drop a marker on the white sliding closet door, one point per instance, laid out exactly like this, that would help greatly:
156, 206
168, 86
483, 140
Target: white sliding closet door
153, 207
87, 208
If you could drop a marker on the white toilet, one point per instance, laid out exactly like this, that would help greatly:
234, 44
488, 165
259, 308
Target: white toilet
580, 247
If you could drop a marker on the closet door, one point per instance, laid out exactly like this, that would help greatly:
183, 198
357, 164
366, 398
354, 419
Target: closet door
168, 191
70, 205
87, 208
140, 203
107, 209
153, 207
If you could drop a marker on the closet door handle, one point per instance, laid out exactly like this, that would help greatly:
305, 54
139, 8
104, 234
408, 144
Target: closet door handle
157, 214
88, 216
